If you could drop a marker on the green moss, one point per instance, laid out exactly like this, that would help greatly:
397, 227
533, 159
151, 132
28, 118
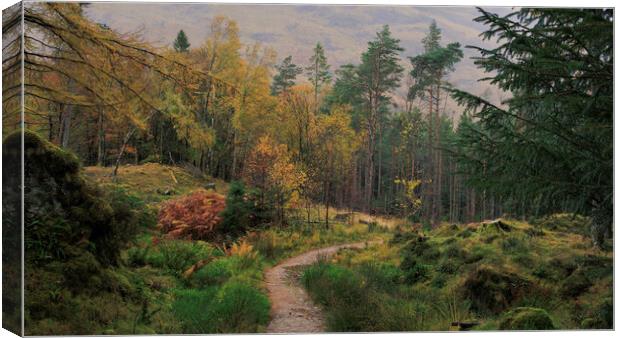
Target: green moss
601, 316
565, 222
491, 291
526, 318
576, 284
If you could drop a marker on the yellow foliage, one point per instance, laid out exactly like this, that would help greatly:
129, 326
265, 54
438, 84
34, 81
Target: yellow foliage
413, 201
242, 249
270, 166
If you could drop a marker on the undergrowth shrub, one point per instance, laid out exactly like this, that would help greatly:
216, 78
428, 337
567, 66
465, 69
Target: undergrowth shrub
233, 308
193, 216
358, 301
191, 307
415, 255
330, 283
137, 256
601, 316
381, 276
526, 318
439, 281
575, 284
244, 254
565, 222
402, 236
241, 212
267, 243
177, 256
75, 231
240, 308
491, 291
214, 273
447, 266
514, 244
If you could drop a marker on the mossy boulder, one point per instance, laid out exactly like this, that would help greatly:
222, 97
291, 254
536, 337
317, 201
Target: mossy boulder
576, 284
526, 318
491, 291
601, 316
565, 222
74, 233
419, 248
594, 266
62, 208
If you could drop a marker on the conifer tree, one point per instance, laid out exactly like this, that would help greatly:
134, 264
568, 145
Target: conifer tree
181, 44
285, 78
378, 74
318, 71
551, 144
429, 71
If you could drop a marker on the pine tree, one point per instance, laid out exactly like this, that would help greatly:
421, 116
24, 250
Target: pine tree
318, 71
429, 70
285, 78
181, 44
378, 74
550, 145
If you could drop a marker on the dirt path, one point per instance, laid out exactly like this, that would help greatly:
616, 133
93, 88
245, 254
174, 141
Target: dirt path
292, 310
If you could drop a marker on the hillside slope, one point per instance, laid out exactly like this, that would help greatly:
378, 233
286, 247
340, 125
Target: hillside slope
494, 275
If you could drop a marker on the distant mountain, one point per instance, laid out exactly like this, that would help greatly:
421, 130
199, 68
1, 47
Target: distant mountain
294, 29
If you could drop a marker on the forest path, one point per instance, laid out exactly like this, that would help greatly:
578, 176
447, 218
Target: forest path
292, 309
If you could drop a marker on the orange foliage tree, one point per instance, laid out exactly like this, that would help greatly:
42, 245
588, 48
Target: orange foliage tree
271, 169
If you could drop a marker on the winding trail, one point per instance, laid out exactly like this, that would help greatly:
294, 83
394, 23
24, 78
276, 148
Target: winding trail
292, 310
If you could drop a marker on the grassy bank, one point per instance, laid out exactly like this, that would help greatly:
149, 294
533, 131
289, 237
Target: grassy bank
165, 285
510, 275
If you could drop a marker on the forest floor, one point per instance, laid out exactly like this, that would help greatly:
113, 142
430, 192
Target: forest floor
307, 277
292, 310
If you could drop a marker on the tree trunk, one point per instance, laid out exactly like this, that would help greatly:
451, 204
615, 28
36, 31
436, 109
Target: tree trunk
122, 151
327, 205
100, 140
67, 116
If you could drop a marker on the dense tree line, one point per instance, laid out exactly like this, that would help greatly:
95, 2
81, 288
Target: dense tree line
338, 138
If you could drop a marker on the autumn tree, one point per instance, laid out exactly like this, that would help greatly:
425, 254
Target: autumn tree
83, 77
219, 56
296, 112
270, 168
255, 107
335, 144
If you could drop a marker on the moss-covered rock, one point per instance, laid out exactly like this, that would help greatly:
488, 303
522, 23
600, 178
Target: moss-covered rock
492, 291
63, 209
601, 316
576, 284
526, 318
565, 222
74, 233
